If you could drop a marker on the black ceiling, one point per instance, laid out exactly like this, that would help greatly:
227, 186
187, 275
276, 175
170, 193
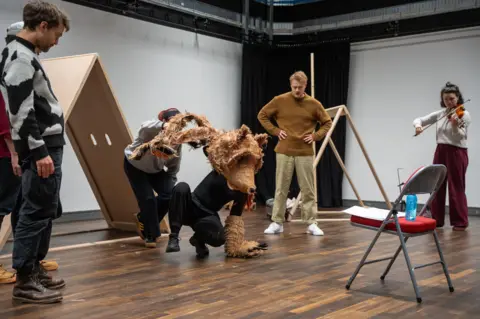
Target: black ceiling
307, 11
143, 10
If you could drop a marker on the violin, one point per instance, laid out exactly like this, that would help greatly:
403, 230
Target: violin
459, 111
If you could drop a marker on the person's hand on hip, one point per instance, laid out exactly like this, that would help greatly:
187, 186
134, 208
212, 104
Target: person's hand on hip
282, 135
308, 138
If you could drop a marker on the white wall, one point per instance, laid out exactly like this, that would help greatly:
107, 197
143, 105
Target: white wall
394, 81
151, 68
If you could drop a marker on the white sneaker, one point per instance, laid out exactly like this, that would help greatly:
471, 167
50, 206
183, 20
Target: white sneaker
290, 203
314, 230
274, 228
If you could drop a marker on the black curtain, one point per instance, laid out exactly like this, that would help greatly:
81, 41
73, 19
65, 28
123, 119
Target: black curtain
265, 73
253, 95
332, 65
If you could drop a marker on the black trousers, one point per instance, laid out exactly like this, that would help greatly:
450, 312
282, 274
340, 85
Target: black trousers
183, 210
152, 208
38, 206
18, 205
9, 187
11, 193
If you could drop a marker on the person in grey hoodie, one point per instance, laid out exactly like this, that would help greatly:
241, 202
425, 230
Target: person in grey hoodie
150, 174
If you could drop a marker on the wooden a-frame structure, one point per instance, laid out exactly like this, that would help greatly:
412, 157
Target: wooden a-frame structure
98, 133
335, 113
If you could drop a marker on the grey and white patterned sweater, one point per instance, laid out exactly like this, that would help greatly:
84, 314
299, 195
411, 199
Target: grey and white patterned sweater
36, 117
150, 163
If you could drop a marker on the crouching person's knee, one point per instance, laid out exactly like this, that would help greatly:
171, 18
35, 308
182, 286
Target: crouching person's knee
210, 231
217, 239
181, 188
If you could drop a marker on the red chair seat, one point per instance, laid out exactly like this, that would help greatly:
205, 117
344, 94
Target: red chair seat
420, 225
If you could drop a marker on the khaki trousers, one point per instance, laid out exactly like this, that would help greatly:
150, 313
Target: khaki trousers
304, 168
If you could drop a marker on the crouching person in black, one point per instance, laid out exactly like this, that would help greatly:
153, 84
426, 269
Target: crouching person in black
199, 210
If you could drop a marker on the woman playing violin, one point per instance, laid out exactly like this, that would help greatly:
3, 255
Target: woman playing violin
452, 124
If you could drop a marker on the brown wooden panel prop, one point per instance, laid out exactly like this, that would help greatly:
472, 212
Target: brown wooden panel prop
98, 133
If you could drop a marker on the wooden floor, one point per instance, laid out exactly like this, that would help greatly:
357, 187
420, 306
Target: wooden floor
76, 233
300, 276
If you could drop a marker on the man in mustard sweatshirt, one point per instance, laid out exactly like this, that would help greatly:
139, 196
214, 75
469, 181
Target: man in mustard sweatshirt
297, 115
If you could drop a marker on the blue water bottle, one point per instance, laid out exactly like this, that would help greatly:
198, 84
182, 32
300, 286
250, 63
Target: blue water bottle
411, 211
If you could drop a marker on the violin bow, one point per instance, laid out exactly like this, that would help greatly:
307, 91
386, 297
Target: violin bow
443, 116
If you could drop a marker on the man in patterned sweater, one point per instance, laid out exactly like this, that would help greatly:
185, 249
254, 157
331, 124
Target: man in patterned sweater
10, 172
37, 130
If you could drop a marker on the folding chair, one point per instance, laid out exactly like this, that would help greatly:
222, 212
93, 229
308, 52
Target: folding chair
426, 180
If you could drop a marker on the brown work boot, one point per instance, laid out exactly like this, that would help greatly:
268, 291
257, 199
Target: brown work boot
28, 289
49, 265
48, 281
6, 277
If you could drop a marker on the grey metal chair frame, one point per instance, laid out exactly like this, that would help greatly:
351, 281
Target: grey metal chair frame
426, 180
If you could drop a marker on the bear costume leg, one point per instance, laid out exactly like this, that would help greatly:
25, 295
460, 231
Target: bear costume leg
235, 243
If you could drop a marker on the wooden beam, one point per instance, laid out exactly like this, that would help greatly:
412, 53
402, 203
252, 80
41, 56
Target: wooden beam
336, 112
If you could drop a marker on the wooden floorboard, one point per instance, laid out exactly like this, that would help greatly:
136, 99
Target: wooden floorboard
300, 276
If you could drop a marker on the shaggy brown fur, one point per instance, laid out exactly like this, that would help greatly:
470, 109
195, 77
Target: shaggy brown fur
236, 154
235, 243
163, 144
